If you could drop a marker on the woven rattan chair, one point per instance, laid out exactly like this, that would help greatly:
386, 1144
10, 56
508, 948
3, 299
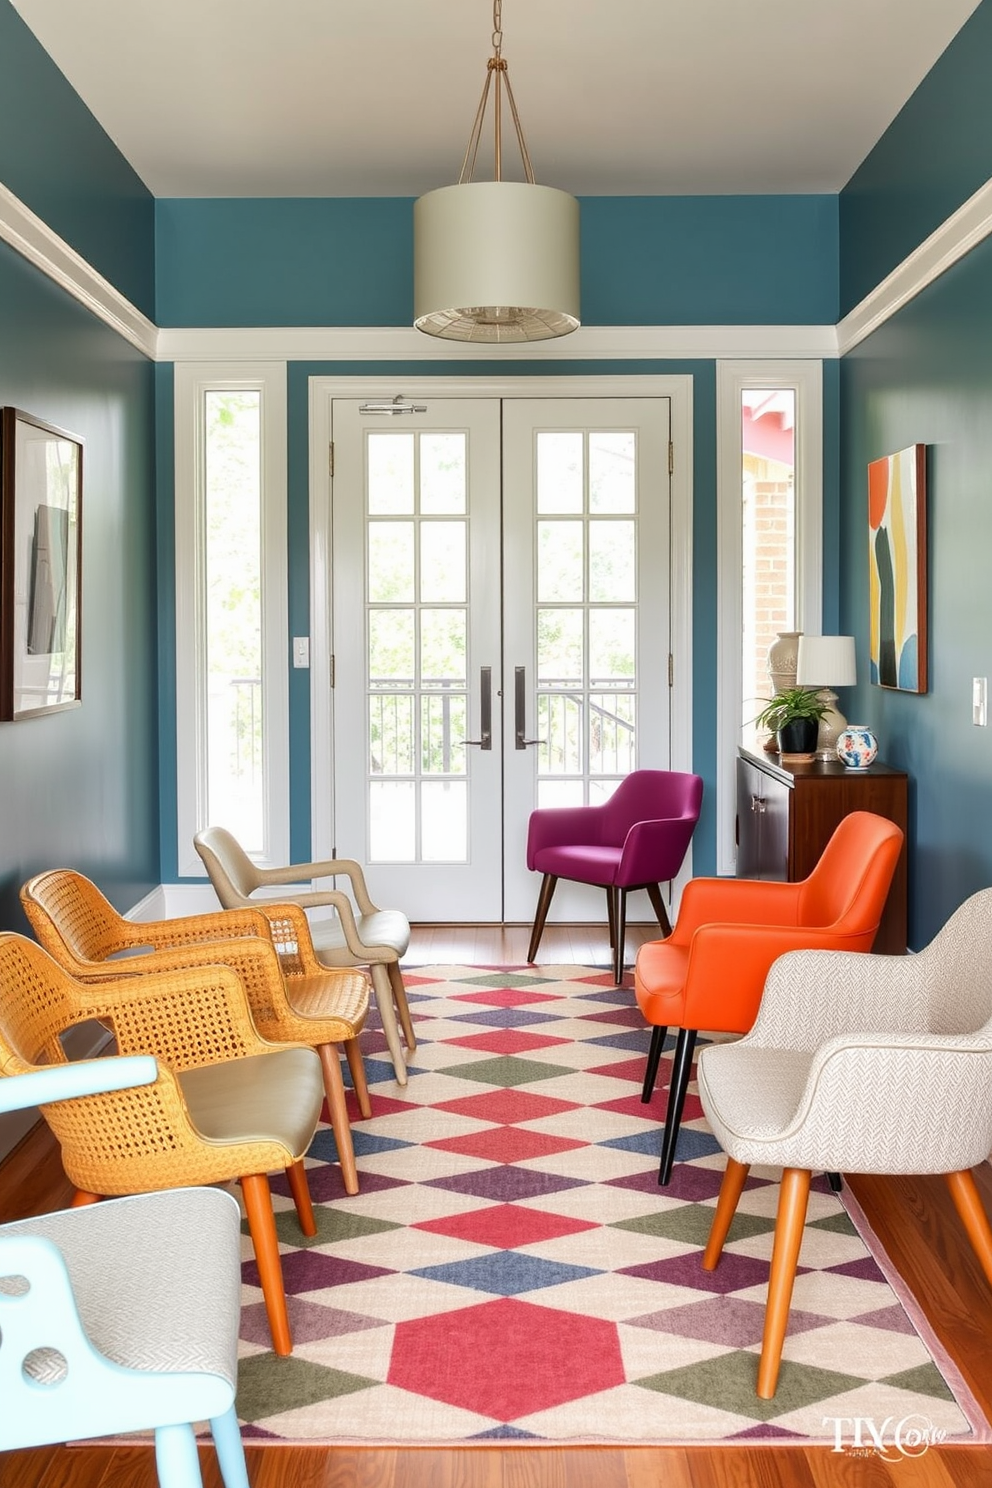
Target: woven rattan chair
127, 1315
858, 1064
293, 998
371, 937
225, 1105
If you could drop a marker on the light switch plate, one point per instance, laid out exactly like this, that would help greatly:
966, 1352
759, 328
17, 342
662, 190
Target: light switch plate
301, 651
980, 701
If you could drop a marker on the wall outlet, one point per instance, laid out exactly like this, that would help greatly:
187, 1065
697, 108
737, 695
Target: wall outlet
980, 701
301, 651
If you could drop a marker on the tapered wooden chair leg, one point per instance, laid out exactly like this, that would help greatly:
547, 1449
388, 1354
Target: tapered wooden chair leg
789, 1223
611, 917
356, 1064
964, 1192
620, 936
681, 1070
401, 1005
658, 905
548, 884
734, 1179
387, 1016
338, 1111
262, 1224
296, 1175
654, 1059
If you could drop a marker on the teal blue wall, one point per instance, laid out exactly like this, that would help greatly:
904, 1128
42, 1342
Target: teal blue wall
79, 788
926, 378
934, 155
58, 160
645, 261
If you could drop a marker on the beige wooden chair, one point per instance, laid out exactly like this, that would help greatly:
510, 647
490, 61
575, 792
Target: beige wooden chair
357, 934
291, 996
858, 1064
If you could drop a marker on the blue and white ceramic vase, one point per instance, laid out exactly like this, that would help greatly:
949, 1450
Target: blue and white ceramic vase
857, 747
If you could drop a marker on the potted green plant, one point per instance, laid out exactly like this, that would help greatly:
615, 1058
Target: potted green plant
793, 715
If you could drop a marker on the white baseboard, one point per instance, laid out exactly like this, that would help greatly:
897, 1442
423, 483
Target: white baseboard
169, 901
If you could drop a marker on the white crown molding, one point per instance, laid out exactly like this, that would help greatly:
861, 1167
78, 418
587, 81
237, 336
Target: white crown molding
956, 236
25, 232
404, 344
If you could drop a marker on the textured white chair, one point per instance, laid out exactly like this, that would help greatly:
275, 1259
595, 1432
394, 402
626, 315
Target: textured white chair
858, 1064
121, 1316
356, 934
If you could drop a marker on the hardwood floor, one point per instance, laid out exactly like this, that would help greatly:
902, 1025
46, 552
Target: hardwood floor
913, 1218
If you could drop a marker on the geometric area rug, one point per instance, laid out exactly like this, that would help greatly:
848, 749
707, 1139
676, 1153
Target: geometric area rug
511, 1271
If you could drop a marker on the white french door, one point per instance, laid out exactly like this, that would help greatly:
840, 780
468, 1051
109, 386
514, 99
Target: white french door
499, 592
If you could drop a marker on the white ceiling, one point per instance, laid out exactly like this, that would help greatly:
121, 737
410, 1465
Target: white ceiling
376, 97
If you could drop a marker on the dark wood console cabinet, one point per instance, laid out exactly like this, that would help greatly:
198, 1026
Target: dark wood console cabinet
786, 814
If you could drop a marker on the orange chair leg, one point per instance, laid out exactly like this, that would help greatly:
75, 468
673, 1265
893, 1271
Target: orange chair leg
262, 1224
734, 1178
789, 1221
356, 1064
82, 1197
401, 1004
964, 1192
299, 1187
334, 1090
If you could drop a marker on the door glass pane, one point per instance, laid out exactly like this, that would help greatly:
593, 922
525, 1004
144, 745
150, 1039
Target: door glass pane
390, 473
442, 647
233, 509
768, 578
442, 561
393, 821
391, 733
611, 646
559, 471
391, 574
442, 472
559, 561
612, 471
391, 647
442, 735
559, 793
611, 561
611, 733
444, 814
559, 726
559, 647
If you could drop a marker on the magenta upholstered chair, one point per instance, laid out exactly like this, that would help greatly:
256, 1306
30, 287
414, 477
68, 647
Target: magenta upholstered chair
635, 840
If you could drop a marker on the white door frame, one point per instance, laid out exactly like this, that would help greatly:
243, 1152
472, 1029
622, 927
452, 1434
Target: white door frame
678, 389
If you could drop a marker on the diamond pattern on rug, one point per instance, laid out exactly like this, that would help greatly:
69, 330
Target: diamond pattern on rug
511, 1271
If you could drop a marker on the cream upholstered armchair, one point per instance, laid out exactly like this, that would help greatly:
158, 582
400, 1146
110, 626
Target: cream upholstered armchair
355, 934
858, 1064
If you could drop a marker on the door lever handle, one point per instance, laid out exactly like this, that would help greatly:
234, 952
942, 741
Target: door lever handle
520, 709
485, 710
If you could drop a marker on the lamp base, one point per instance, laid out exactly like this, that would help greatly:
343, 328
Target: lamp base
832, 725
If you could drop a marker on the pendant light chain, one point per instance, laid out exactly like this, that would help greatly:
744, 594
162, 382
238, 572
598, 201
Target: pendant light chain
496, 65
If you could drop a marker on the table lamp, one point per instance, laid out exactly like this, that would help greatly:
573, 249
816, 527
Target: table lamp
826, 662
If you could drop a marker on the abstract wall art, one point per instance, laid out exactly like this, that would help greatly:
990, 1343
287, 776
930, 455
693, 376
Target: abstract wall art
897, 569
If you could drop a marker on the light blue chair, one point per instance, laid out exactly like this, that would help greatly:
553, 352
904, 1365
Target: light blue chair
121, 1316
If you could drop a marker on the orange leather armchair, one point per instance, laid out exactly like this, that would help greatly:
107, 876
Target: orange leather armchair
710, 972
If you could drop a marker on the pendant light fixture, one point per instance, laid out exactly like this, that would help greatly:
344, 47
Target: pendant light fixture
496, 260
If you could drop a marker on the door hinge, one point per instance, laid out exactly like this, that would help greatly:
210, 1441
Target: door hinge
330, 458
671, 670
671, 458
332, 669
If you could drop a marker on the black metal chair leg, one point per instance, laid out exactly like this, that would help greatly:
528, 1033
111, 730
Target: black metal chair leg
836, 1182
541, 913
621, 935
681, 1069
658, 905
654, 1058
